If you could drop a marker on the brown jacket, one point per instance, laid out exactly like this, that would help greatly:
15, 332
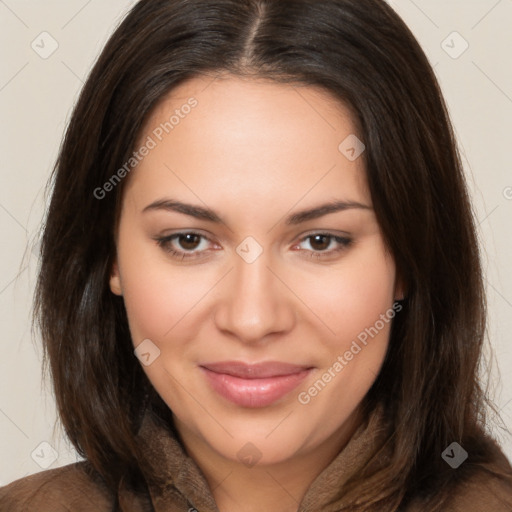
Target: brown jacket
68, 488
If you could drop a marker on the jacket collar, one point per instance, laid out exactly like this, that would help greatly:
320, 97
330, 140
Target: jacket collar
182, 485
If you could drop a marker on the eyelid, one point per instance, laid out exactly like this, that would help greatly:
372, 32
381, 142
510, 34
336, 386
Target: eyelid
326, 232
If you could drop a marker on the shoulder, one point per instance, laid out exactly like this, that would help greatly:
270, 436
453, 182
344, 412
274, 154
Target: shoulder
483, 491
67, 488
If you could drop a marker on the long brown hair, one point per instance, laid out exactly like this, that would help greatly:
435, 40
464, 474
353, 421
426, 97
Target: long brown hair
362, 53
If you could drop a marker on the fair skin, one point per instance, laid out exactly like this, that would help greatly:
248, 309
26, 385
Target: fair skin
255, 152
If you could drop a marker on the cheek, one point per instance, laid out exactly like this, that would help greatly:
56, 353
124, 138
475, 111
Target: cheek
157, 296
352, 296
356, 305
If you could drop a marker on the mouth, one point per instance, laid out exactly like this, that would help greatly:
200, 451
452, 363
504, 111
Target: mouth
254, 385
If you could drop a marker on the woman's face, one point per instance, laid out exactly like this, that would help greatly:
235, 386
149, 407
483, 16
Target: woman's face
219, 261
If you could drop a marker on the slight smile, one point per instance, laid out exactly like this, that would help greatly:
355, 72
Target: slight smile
254, 385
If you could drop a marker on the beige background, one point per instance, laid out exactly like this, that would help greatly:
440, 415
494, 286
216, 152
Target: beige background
36, 97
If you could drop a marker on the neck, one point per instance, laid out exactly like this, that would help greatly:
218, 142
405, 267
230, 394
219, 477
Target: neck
278, 487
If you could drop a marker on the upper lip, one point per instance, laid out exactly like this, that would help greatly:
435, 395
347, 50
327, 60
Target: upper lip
255, 370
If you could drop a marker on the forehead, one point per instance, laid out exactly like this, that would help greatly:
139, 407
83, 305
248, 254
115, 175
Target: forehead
250, 137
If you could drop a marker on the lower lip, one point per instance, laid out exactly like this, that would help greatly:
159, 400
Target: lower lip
253, 392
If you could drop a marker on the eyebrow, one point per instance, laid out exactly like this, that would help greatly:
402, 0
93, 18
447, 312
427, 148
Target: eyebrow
207, 214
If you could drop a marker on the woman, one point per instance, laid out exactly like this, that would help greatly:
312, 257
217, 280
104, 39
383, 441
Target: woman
260, 285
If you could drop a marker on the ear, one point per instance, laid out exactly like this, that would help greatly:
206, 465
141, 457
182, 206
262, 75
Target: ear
115, 280
400, 288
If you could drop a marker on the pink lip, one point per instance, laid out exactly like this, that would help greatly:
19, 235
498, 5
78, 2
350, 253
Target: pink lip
254, 385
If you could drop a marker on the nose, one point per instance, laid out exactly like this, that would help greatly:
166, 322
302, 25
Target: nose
255, 302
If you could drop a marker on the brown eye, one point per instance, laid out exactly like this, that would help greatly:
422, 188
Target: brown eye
184, 245
189, 241
320, 242
325, 245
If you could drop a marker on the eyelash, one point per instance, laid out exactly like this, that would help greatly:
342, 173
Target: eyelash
164, 243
